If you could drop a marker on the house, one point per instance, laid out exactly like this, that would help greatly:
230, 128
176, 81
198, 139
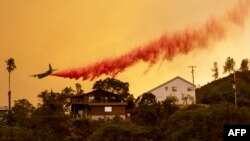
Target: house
178, 87
4, 109
98, 104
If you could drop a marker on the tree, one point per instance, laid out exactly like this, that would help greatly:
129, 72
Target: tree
78, 88
68, 92
146, 99
82, 129
122, 131
199, 122
10, 67
215, 71
147, 115
171, 100
184, 98
114, 86
22, 111
53, 102
229, 65
169, 105
244, 67
49, 120
130, 101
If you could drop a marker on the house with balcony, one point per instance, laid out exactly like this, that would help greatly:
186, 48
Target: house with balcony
98, 104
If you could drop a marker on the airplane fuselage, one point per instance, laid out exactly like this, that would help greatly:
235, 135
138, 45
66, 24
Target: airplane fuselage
42, 75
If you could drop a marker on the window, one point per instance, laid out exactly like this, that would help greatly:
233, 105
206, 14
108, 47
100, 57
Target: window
104, 99
107, 109
91, 98
190, 89
174, 89
111, 99
166, 88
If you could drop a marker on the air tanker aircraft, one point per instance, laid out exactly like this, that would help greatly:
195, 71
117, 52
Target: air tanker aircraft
42, 75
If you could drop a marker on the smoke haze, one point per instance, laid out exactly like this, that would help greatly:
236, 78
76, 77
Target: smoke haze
166, 47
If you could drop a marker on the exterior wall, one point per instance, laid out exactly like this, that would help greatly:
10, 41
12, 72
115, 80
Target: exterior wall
96, 117
181, 90
99, 110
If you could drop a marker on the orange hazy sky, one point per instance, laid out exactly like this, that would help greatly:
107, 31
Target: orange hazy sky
76, 33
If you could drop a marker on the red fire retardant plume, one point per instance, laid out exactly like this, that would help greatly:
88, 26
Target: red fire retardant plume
166, 47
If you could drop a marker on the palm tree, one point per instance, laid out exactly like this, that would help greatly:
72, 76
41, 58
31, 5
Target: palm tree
10, 67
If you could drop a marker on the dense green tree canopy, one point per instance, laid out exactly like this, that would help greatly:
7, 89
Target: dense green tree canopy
49, 120
244, 66
113, 85
146, 99
221, 90
229, 65
22, 111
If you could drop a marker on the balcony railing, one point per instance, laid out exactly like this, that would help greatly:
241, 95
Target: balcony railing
86, 101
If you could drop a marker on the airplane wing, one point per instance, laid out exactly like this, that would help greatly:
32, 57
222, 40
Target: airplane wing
34, 75
41, 75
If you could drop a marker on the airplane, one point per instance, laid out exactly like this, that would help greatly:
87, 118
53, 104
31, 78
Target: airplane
42, 75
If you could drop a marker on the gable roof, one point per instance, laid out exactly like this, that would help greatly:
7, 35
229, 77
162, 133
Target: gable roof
103, 92
177, 77
99, 91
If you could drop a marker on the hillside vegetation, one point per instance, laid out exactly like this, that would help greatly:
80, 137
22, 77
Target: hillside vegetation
221, 90
149, 120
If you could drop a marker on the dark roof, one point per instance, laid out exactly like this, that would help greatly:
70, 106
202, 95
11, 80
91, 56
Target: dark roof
95, 92
171, 81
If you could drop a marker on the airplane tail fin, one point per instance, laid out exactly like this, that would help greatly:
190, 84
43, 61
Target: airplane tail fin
50, 68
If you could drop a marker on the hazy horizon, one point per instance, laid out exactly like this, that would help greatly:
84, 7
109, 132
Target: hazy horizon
72, 34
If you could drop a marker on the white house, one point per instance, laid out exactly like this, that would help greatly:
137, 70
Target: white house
178, 87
